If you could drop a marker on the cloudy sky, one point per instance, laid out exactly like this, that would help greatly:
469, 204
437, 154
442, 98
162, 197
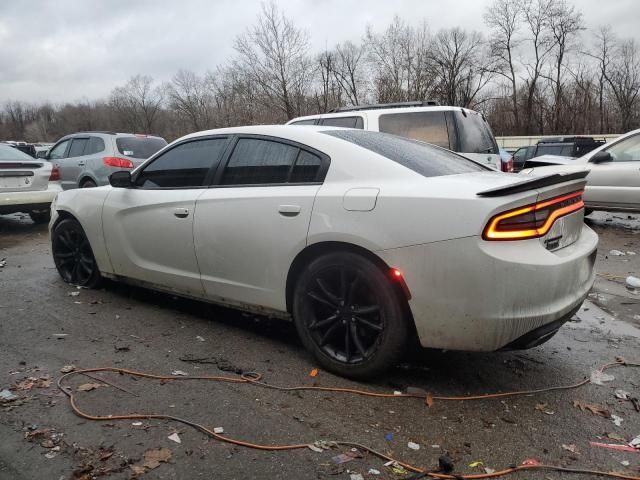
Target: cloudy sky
74, 49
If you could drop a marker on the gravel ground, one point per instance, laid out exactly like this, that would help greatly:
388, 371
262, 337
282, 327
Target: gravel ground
46, 324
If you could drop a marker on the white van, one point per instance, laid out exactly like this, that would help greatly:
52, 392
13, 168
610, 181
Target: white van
458, 129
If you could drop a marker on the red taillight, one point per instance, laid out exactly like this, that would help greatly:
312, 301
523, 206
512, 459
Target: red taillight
117, 162
532, 221
507, 166
55, 174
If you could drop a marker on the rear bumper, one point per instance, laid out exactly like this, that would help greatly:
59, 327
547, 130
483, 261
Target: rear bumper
13, 202
469, 294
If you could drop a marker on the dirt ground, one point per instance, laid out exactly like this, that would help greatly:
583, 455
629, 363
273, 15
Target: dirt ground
46, 324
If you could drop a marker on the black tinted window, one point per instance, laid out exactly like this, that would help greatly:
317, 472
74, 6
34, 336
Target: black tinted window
305, 122
346, 122
420, 157
548, 150
96, 145
77, 147
475, 134
139, 147
430, 127
257, 161
186, 165
306, 168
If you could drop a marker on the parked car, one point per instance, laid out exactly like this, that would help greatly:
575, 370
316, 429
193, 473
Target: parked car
457, 129
26, 185
365, 239
613, 183
562, 146
86, 159
24, 147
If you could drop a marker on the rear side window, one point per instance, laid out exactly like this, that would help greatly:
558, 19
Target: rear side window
430, 127
345, 122
186, 165
257, 161
306, 169
96, 145
427, 160
304, 122
77, 147
475, 134
139, 147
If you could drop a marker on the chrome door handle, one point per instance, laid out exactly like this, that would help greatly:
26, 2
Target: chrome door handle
289, 210
181, 212
82, 163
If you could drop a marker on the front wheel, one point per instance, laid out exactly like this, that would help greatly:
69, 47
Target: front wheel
349, 315
73, 256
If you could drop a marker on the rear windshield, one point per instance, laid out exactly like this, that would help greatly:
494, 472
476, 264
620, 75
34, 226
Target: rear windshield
425, 159
10, 153
474, 134
139, 147
430, 127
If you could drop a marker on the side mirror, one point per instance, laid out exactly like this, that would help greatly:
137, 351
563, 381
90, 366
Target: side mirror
42, 154
601, 157
121, 179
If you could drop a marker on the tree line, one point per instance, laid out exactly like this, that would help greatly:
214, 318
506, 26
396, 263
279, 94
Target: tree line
536, 71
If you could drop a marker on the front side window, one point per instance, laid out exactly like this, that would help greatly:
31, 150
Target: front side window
257, 161
628, 150
57, 152
345, 122
429, 127
185, 165
77, 147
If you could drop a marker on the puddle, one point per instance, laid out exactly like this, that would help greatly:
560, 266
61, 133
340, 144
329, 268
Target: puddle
595, 318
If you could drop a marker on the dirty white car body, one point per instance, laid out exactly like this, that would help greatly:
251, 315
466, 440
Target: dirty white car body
244, 245
613, 184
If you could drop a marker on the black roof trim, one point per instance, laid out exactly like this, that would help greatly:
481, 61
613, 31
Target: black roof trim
378, 106
106, 132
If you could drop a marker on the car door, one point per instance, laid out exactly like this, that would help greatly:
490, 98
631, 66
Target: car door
73, 164
57, 155
616, 183
148, 228
252, 223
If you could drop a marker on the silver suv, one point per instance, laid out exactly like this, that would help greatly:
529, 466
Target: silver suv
86, 159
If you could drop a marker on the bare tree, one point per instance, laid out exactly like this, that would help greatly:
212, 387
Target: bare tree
190, 96
503, 17
603, 50
275, 56
624, 80
138, 103
348, 70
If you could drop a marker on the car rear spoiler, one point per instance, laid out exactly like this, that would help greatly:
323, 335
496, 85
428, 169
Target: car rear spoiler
537, 182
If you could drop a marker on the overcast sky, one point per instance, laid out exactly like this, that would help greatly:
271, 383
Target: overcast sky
72, 49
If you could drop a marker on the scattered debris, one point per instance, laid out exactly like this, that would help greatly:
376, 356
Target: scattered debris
3, 263
199, 338
396, 467
373, 471
179, 373
7, 396
614, 446
413, 446
153, 458
592, 407
475, 464
30, 382
346, 457
87, 387
632, 282
635, 442
174, 437
617, 253
489, 471
445, 463
544, 408
67, 369
617, 420
615, 436
313, 372
218, 430
531, 461
137, 424
600, 378
624, 463
356, 476
74, 294
571, 448
388, 437
622, 394
314, 448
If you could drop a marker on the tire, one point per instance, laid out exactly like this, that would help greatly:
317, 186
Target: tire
40, 216
88, 184
349, 315
73, 256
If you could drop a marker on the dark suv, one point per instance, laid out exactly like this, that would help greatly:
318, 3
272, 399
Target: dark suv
562, 146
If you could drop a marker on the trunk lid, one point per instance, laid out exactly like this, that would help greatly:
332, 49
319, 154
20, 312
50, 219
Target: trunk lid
24, 175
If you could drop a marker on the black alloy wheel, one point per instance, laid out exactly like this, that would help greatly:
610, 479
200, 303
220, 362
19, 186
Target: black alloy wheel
40, 216
73, 256
349, 315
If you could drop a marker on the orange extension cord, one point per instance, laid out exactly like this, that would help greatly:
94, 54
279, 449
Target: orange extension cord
254, 379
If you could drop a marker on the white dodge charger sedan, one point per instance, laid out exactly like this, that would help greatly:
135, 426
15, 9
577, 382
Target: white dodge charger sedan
366, 240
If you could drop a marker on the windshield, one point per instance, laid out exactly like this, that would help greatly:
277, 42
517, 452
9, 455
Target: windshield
139, 147
423, 158
7, 152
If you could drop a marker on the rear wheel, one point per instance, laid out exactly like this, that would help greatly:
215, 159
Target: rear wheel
40, 216
88, 184
349, 315
73, 256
